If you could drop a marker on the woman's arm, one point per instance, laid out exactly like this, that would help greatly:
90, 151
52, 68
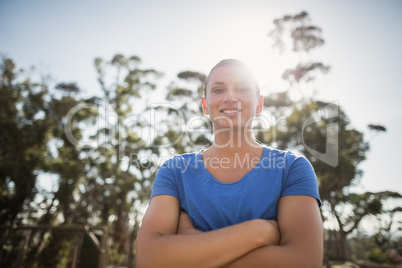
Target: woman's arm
158, 244
301, 233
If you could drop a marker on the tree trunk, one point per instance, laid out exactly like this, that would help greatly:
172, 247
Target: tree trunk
344, 246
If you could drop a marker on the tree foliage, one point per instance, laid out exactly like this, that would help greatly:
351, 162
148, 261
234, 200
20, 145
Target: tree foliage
90, 145
33, 143
328, 131
185, 128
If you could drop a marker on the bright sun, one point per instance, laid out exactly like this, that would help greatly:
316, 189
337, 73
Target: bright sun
247, 40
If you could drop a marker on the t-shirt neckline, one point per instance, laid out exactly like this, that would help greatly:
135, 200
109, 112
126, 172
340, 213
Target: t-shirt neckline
210, 176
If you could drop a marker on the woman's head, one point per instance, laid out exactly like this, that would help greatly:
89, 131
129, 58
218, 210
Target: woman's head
233, 63
232, 94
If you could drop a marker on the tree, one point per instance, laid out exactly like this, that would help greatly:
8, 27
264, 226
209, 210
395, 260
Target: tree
385, 233
185, 128
295, 33
32, 143
118, 181
23, 138
92, 146
320, 130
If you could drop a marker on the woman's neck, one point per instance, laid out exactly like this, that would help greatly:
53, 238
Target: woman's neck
229, 143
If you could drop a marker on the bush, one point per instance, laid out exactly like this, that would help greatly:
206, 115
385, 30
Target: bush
376, 255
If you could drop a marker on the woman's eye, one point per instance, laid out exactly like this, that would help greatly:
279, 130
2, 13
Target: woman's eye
242, 89
218, 90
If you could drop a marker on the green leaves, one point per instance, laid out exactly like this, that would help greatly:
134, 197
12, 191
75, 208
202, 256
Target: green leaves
304, 36
303, 71
378, 128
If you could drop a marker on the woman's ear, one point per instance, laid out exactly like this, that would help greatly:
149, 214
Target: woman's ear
204, 106
259, 105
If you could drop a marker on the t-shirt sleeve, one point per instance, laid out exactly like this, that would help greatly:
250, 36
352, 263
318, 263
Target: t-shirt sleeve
300, 178
165, 183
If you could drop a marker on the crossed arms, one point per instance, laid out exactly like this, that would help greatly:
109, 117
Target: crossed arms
167, 238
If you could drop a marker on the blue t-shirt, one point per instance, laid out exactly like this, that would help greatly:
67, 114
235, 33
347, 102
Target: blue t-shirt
212, 204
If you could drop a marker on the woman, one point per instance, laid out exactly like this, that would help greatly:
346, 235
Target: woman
237, 203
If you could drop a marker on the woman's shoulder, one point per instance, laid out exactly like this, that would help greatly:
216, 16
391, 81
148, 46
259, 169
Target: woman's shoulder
181, 160
288, 156
274, 152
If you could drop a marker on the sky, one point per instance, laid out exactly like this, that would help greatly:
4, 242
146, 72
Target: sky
362, 45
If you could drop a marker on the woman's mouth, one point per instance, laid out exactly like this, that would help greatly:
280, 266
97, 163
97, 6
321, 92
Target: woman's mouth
230, 111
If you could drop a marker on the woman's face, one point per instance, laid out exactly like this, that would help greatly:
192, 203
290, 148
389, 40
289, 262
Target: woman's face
232, 98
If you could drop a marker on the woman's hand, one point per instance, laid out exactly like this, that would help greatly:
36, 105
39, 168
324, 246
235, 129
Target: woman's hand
185, 226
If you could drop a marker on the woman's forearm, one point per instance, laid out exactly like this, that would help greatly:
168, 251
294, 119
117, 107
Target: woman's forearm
301, 243
279, 256
206, 249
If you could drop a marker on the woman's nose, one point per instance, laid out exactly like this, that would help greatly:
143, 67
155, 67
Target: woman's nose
230, 96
